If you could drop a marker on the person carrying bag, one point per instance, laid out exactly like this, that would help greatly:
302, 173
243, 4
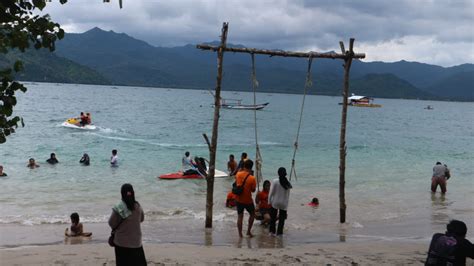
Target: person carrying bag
126, 236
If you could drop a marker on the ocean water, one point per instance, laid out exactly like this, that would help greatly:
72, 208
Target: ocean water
390, 155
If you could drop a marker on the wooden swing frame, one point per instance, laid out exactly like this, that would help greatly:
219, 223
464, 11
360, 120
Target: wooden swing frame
346, 55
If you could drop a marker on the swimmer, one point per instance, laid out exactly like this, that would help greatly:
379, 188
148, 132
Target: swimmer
314, 202
114, 159
85, 160
32, 164
52, 159
1, 171
76, 227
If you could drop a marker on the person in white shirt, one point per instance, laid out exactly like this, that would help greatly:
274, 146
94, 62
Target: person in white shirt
187, 165
278, 197
114, 158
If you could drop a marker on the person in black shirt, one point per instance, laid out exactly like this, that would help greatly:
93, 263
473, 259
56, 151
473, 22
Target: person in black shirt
451, 248
52, 159
85, 160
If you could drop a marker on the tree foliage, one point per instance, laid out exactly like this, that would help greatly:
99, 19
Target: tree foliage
20, 29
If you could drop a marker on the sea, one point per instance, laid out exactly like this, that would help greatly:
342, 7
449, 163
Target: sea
390, 155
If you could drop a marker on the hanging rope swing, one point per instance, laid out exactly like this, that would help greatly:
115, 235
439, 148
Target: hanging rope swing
308, 84
258, 156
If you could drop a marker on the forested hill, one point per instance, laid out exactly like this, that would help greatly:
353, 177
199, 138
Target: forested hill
43, 66
124, 60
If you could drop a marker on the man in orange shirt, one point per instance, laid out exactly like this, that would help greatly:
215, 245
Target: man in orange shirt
244, 200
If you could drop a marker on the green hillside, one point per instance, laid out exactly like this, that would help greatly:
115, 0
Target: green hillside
44, 66
459, 86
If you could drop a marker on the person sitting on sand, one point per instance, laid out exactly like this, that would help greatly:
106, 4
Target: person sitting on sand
231, 200
262, 202
114, 159
440, 176
246, 180
76, 227
1, 171
32, 164
314, 202
85, 160
231, 165
52, 159
451, 248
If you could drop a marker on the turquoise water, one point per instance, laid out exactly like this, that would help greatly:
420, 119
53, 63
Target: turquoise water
391, 151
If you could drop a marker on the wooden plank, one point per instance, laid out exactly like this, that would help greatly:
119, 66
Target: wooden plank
280, 52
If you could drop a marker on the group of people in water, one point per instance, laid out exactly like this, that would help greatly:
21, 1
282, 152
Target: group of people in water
85, 160
270, 204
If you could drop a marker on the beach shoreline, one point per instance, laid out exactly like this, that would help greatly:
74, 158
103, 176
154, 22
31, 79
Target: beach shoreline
343, 253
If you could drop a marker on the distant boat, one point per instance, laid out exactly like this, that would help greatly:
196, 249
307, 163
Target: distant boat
429, 107
236, 104
361, 101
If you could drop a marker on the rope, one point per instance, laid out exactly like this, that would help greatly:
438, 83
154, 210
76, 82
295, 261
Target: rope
307, 85
258, 156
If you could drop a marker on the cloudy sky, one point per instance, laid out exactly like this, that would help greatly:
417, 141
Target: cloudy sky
430, 31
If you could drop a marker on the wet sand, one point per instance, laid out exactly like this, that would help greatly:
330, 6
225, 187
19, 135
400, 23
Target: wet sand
368, 253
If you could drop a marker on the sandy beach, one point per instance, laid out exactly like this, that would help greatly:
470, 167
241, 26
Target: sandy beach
367, 253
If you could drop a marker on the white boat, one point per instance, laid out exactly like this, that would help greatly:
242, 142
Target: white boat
236, 104
219, 173
73, 123
361, 101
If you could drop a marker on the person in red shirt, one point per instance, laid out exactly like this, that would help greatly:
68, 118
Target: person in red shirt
262, 200
245, 200
230, 201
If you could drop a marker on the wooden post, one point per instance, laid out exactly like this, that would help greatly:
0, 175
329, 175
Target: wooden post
215, 127
342, 141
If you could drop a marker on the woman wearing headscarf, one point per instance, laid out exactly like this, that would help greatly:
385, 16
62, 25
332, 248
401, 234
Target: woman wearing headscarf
278, 197
125, 222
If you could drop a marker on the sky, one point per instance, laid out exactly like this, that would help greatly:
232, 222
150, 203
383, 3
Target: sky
436, 32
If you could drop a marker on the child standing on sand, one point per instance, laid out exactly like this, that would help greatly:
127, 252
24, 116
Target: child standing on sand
76, 227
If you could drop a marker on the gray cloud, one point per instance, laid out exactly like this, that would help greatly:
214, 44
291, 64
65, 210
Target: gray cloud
399, 25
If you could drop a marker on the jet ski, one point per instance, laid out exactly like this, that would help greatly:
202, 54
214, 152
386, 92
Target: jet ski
74, 123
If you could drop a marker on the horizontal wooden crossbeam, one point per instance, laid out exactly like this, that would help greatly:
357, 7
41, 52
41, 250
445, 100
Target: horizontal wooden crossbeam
280, 52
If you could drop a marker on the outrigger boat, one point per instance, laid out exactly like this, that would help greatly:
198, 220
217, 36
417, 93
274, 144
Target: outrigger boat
236, 104
361, 101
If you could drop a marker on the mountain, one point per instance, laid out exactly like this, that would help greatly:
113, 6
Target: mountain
392, 86
457, 86
44, 66
128, 61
